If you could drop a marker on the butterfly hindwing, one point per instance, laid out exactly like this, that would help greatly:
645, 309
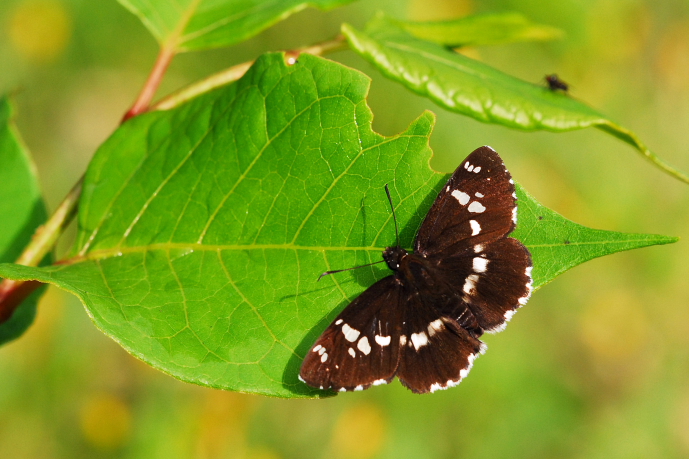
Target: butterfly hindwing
435, 351
360, 348
494, 280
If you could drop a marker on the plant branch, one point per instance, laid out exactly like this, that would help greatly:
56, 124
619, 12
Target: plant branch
236, 72
143, 102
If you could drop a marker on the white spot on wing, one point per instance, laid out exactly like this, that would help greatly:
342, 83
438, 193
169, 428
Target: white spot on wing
419, 340
359, 387
461, 196
470, 283
352, 352
383, 340
324, 357
350, 333
480, 264
476, 207
514, 214
478, 195
315, 349
477, 169
342, 389
364, 346
339, 321
471, 168
466, 165
378, 382
403, 340
475, 227
435, 326
478, 248
321, 351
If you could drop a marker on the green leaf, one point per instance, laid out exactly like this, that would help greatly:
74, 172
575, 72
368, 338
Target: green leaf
557, 244
192, 25
203, 229
21, 211
481, 29
463, 85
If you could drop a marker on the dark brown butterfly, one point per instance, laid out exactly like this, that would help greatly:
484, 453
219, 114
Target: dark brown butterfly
423, 323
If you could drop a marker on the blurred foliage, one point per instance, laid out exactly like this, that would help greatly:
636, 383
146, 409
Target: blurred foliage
595, 365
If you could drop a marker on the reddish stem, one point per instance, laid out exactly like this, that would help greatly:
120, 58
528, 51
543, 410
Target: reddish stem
143, 102
12, 294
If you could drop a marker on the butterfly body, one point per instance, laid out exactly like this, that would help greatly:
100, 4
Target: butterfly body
423, 323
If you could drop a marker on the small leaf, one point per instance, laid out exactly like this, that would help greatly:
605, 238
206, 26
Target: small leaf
203, 229
481, 29
463, 85
192, 25
21, 211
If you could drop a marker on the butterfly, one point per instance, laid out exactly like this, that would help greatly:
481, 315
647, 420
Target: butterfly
423, 323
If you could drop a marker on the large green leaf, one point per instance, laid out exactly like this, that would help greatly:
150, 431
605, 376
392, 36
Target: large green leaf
481, 29
187, 25
203, 229
21, 212
463, 85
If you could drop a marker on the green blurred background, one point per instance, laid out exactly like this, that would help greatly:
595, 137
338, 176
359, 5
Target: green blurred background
596, 365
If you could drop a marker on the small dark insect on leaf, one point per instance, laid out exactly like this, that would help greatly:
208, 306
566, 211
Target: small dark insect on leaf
555, 83
422, 323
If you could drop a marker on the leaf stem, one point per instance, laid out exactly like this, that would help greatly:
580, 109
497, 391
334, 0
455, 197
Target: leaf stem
629, 137
12, 292
143, 102
236, 72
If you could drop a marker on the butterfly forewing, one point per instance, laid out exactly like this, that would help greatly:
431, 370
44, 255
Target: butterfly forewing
476, 206
360, 348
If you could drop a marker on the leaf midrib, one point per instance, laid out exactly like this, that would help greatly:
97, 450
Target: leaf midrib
191, 247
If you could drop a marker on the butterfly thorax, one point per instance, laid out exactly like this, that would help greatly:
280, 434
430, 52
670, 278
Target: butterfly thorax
393, 257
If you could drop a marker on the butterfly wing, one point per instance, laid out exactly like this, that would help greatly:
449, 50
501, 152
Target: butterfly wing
360, 348
496, 282
435, 351
476, 206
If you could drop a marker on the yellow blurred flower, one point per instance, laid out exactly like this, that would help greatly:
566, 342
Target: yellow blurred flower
105, 421
359, 432
615, 327
39, 29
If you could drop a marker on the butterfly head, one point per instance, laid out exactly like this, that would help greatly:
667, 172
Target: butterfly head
393, 257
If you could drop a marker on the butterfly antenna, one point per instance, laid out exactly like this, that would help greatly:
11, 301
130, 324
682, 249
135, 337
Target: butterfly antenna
397, 233
394, 216
327, 273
